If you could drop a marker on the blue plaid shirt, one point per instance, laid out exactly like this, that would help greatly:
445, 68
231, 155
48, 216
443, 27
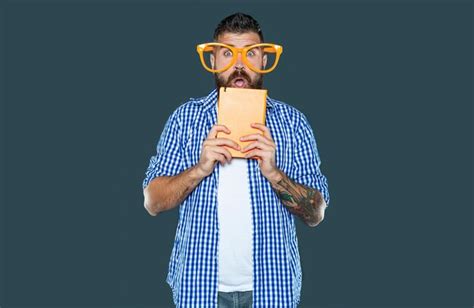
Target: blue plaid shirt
192, 274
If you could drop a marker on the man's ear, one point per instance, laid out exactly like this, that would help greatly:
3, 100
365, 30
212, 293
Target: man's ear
212, 61
264, 61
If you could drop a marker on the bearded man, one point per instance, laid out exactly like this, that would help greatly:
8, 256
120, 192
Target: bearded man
236, 243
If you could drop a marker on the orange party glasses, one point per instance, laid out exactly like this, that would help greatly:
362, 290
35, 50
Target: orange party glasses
256, 57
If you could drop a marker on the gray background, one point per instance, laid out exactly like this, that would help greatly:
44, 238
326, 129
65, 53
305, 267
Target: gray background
87, 87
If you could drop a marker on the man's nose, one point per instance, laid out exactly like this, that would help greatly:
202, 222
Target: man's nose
239, 64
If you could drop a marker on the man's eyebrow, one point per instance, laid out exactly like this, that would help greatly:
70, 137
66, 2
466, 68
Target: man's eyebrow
244, 46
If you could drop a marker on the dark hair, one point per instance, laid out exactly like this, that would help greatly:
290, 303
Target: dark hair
238, 23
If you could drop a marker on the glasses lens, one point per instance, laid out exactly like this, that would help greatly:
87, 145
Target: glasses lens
221, 55
262, 57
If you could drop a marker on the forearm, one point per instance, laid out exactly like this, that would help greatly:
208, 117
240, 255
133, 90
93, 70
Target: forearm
166, 192
301, 200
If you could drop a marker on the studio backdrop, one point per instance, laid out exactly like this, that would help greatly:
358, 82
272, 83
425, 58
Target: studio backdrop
88, 85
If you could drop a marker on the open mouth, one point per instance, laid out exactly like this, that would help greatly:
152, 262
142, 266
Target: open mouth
239, 82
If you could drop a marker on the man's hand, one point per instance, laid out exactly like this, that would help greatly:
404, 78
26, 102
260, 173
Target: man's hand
264, 148
213, 150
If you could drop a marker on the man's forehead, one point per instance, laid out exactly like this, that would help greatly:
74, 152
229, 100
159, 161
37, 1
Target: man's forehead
239, 39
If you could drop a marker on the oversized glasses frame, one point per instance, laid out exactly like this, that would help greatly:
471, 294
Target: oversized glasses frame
267, 48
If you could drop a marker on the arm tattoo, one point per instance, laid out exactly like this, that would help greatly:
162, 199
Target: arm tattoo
301, 200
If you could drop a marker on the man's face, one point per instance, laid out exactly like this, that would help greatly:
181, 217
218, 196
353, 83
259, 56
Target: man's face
238, 75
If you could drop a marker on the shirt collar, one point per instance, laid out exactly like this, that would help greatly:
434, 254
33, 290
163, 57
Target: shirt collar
211, 100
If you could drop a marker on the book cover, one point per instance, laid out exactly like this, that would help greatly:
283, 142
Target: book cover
237, 108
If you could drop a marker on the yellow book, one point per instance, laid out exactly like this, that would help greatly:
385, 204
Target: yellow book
237, 108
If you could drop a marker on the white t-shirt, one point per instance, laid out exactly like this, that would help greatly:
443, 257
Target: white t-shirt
235, 264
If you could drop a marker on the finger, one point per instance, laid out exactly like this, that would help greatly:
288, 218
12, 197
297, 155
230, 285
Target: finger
218, 149
258, 153
220, 157
224, 141
217, 128
223, 151
259, 145
258, 137
264, 129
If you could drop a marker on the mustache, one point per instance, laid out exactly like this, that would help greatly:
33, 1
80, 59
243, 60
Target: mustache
239, 74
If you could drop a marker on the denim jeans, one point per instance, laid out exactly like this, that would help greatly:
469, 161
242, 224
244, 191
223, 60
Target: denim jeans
238, 299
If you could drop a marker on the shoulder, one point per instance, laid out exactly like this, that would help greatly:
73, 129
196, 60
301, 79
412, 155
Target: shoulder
289, 113
189, 109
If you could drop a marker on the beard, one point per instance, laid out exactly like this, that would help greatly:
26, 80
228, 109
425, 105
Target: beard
252, 84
